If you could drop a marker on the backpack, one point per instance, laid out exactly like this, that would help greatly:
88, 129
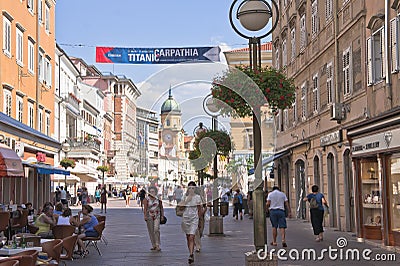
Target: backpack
313, 203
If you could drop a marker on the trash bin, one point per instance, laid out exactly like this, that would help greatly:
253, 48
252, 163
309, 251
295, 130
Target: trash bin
224, 208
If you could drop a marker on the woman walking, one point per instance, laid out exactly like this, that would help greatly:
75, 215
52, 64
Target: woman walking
317, 202
190, 217
103, 199
153, 211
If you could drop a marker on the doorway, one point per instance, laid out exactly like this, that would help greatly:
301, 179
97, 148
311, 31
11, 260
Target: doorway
349, 192
332, 191
300, 190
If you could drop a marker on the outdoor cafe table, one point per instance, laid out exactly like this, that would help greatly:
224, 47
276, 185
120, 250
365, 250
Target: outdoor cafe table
13, 251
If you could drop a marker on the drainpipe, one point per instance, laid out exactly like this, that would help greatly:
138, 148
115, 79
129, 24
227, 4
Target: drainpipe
38, 87
388, 85
336, 58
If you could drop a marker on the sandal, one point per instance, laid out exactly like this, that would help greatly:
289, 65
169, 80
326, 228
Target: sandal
273, 244
284, 244
191, 259
153, 248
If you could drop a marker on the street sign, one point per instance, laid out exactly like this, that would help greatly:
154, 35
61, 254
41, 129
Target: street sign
157, 55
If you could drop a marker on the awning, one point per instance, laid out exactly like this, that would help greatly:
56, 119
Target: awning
16, 128
270, 159
71, 179
84, 172
84, 177
10, 163
46, 169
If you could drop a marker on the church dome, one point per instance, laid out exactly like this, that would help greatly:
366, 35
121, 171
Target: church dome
170, 105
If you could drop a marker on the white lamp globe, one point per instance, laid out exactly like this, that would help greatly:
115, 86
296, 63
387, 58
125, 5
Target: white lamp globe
254, 15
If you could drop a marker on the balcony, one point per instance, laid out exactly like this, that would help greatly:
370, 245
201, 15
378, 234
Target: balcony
73, 100
85, 146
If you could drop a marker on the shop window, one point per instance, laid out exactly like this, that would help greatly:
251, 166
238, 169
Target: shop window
394, 192
372, 200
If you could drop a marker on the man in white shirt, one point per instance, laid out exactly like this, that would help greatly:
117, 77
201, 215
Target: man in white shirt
276, 203
63, 197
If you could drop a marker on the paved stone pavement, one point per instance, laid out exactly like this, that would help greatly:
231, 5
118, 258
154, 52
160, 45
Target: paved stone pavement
129, 244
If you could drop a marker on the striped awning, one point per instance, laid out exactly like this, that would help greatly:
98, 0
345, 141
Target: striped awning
10, 163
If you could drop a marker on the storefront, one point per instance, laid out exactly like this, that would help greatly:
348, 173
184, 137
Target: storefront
375, 147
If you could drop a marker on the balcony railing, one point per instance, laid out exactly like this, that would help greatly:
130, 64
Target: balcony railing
85, 145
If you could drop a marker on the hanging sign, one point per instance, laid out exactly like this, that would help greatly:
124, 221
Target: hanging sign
157, 55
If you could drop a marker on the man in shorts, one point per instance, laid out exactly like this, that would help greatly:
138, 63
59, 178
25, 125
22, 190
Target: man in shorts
276, 203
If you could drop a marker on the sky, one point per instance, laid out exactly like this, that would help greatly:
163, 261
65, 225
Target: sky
81, 25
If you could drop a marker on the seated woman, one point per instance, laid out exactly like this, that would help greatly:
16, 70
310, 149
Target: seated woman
88, 221
58, 209
66, 217
45, 221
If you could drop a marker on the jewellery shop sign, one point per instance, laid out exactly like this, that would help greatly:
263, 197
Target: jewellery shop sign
376, 142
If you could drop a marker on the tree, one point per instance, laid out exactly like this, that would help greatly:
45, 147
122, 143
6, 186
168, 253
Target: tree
66, 162
103, 169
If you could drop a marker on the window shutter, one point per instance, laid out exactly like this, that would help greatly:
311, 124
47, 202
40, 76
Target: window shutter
284, 53
393, 45
370, 70
382, 44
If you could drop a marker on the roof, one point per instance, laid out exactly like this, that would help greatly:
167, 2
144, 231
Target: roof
264, 47
188, 138
170, 105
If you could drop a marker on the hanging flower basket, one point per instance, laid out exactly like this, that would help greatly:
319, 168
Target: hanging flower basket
221, 139
67, 163
240, 89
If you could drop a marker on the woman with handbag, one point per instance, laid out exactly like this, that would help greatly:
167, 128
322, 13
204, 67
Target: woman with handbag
153, 211
190, 218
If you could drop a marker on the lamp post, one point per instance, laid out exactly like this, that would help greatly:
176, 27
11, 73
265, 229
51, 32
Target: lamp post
197, 130
254, 15
65, 148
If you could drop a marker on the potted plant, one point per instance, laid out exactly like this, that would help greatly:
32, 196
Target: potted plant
66, 162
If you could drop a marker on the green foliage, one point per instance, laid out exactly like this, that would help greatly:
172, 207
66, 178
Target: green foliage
66, 162
241, 89
221, 139
102, 168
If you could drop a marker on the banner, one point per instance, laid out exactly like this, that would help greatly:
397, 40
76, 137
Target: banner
157, 55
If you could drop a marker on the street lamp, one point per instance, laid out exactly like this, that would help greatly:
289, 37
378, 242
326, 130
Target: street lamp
254, 15
65, 148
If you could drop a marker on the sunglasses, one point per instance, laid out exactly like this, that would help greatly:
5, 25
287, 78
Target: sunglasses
191, 188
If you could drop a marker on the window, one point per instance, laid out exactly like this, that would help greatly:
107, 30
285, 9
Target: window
19, 46
293, 42
375, 57
314, 18
329, 83
41, 119
285, 118
20, 108
304, 101
31, 57
284, 53
294, 108
47, 18
276, 58
48, 122
29, 5
41, 67
40, 11
303, 33
31, 115
7, 102
315, 93
347, 72
7, 36
394, 40
47, 72
328, 10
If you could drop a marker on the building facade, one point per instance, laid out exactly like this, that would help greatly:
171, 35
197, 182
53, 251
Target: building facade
339, 134
27, 92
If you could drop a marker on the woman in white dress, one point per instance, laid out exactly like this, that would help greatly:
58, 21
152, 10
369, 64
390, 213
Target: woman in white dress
190, 217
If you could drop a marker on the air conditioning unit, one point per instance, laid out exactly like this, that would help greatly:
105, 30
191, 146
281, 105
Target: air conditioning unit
336, 111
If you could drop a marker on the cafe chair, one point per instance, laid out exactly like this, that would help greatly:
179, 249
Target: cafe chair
53, 249
20, 223
4, 221
27, 257
30, 238
69, 244
9, 262
102, 218
32, 228
93, 240
62, 231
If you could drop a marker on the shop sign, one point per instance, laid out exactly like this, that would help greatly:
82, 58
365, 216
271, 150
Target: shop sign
376, 142
331, 138
19, 148
40, 157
